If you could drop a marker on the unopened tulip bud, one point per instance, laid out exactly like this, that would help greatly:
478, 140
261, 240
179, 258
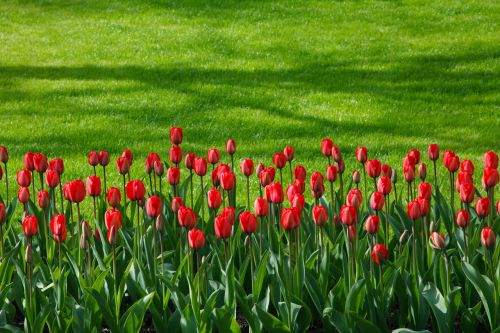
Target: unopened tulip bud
356, 177
394, 176
160, 223
27, 254
84, 244
403, 236
86, 230
432, 227
422, 171
437, 241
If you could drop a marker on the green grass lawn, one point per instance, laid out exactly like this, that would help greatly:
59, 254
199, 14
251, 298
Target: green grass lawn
390, 75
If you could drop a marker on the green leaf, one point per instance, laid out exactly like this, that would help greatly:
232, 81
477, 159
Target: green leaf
132, 319
483, 286
407, 330
437, 304
271, 323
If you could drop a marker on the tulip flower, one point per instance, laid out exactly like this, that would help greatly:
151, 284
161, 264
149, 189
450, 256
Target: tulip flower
176, 204
336, 154
414, 213
289, 153
300, 172
227, 180
153, 206
326, 148
93, 159
149, 167
176, 135
348, 215
187, 217
354, 198
52, 178
320, 215
452, 163
482, 207
246, 167
135, 190
490, 180
373, 168
298, 202
30, 226
422, 171
173, 178
348, 218
490, 160
261, 210
23, 196
317, 185
24, 178
113, 197
213, 156
356, 178
384, 185
438, 242
230, 147
467, 166
372, 223
30, 229
214, 199
58, 227
196, 239
43, 199
275, 193
377, 201
467, 193
229, 213
248, 222
93, 186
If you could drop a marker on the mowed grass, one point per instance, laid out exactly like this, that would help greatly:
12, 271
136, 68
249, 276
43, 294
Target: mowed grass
390, 75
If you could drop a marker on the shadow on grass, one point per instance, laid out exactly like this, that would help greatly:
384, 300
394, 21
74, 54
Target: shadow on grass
433, 82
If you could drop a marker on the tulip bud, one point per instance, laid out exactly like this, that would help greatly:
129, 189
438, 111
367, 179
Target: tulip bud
246, 167
3, 213
86, 230
372, 224
288, 151
260, 167
27, 254
467, 166
488, 238
403, 236
213, 156
437, 240
300, 172
113, 197
336, 154
223, 227
462, 218
175, 154
83, 242
93, 158
373, 168
432, 227
103, 158
230, 146
214, 198
23, 195
483, 207
177, 204
379, 254
4, 155
320, 215
279, 160
331, 173
326, 147
196, 239
356, 177
112, 235
347, 215
422, 171
160, 223
354, 198
43, 199
290, 218
377, 201
394, 176
433, 152
159, 168
490, 160
176, 135
361, 154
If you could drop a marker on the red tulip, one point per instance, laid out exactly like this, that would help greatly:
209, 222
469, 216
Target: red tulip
173, 175
4, 155
227, 180
467, 166
386, 170
291, 191
93, 158
379, 254
260, 167
196, 239
373, 168
103, 158
175, 154
229, 213
200, 166
498, 207
351, 232
488, 237
356, 177
317, 186
298, 202
248, 222
414, 209
127, 153
348, 215
28, 161
409, 161
384, 185
66, 191
30, 226
361, 155
213, 156
177, 204
490, 177
76, 190
437, 240
153, 206
289, 152
24, 178
462, 218
265, 177
433, 152
113, 217
113, 196
326, 147
453, 163
467, 192
149, 164
331, 173
3, 213
320, 215
215, 177
112, 235
230, 146
214, 198
409, 173
159, 168
57, 164
462, 178
260, 207
52, 178
58, 227
123, 165
490, 160
176, 135
290, 218
415, 153
187, 218
377, 201
275, 193
246, 167
300, 184
40, 162
189, 161
424, 206
354, 198
43, 199
23, 195
422, 171
93, 186
483, 207
300, 172
372, 224
223, 227
135, 190
279, 160
336, 154
425, 190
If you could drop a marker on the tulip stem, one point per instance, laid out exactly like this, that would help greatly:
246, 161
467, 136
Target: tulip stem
104, 175
95, 209
46, 234
435, 175
124, 195
320, 245
332, 193
150, 184
452, 194
198, 273
364, 179
154, 249
202, 205
59, 250
466, 258
341, 188
6, 182
248, 193
446, 263
291, 173
78, 230
61, 193
348, 248
281, 177
41, 181
386, 229
138, 232
33, 181
260, 235
1, 242
414, 236
370, 241
117, 307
